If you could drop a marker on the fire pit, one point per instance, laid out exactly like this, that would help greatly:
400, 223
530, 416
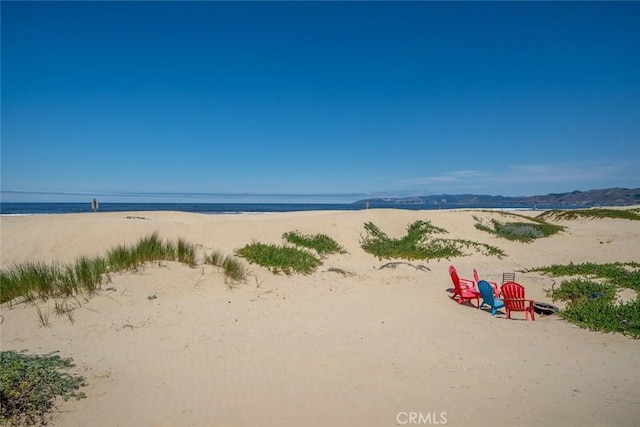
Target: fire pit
544, 308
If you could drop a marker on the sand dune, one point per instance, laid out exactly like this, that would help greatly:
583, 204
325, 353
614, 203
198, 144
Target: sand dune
374, 347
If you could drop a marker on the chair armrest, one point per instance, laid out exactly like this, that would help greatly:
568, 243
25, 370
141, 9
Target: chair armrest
468, 283
530, 301
496, 289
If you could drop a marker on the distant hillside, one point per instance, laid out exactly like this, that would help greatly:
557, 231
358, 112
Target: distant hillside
605, 197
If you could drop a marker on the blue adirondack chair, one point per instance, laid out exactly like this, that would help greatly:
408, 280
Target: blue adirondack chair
486, 291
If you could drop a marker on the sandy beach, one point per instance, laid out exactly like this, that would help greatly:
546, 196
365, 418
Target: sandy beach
371, 347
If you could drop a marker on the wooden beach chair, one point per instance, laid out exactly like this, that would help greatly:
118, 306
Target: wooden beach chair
476, 277
463, 292
514, 300
488, 298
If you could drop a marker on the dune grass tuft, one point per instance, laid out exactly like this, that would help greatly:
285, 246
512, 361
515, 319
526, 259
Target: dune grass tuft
186, 253
234, 270
33, 280
215, 258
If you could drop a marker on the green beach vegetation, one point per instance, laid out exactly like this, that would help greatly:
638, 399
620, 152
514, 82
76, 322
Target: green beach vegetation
298, 258
33, 280
591, 295
517, 230
234, 270
418, 243
597, 213
29, 385
280, 259
321, 243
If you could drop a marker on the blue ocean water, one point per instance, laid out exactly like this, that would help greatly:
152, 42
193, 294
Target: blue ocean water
204, 208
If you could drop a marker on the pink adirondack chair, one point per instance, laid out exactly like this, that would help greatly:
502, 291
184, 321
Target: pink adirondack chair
462, 291
514, 300
494, 285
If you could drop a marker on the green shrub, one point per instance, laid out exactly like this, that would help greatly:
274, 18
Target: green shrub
591, 298
417, 243
630, 214
321, 243
602, 315
520, 231
37, 280
278, 259
29, 385
580, 290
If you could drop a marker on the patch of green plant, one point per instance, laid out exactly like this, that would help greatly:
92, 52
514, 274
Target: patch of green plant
519, 231
413, 245
321, 243
186, 253
280, 259
30, 280
86, 273
598, 213
622, 275
215, 258
579, 290
151, 248
601, 315
590, 297
37, 280
483, 248
418, 243
234, 270
29, 385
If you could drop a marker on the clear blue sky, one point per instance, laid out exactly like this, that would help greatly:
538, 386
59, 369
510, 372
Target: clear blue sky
317, 101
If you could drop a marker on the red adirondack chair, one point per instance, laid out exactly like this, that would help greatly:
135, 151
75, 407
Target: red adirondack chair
463, 291
494, 285
514, 300
468, 283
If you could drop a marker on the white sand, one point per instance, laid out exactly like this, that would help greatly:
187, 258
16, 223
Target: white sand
365, 349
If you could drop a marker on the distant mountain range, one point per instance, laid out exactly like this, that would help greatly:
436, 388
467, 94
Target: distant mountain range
605, 197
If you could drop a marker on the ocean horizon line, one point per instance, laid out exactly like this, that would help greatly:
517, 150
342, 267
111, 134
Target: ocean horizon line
20, 196
52, 208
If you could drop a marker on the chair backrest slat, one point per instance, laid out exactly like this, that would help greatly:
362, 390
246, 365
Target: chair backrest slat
513, 294
508, 277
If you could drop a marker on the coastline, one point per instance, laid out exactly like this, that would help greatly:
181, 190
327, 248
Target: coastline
24, 209
326, 348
